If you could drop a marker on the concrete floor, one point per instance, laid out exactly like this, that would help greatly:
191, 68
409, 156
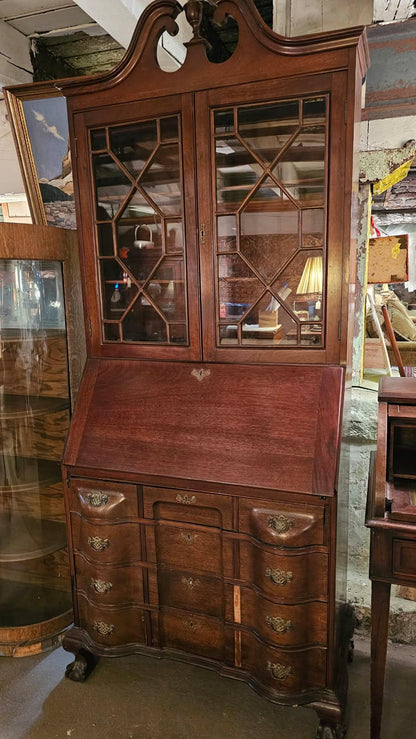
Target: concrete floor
136, 696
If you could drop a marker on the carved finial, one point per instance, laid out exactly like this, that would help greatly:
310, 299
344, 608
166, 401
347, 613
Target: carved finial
193, 12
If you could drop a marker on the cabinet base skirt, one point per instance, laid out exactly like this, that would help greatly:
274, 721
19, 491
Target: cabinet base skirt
325, 701
24, 641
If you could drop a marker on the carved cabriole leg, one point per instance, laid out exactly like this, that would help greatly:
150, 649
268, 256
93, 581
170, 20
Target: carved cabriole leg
82, 666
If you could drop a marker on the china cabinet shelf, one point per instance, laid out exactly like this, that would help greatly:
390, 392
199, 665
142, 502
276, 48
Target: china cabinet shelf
23, 538
26, 473
24, 604
21, 406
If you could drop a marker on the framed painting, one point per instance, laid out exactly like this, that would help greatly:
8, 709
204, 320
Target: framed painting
38, 117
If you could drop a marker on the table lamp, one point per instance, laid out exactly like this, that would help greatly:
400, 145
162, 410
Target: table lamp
310, 285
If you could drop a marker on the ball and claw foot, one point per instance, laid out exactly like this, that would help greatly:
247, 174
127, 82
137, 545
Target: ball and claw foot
331, 731
81, 667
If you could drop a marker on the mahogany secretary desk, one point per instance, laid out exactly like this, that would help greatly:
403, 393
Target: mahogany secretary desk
214, 212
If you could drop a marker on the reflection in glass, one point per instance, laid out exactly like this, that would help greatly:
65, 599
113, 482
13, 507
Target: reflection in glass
268, 324
227, 233
118, 290
271, 225
98, 139
105, 239
224, 121
301, 169
112, 331
178, 333
161, 182
312, 227
111, 186
167, 289
173, 236
143, 323
34, 418
314, 110
238, 287
133, 144
169, 128
311, 334
268, 239
237, 171
143, 295
139, 248
267, 128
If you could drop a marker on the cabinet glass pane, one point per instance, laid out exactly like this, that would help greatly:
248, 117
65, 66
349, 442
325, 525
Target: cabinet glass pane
271, 189
138, 190
34, 416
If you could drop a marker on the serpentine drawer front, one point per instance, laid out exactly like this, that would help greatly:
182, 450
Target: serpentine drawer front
283, 525
112, 626
285, 576
106, 543
101, 499
107, 584
284, 625
284, 670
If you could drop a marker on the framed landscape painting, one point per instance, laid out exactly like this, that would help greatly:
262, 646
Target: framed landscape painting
38, 117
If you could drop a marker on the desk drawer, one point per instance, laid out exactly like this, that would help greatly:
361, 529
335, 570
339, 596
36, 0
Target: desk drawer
285, 578
109, 585
404, 559
195, 593
112, 543
190, 507
282, 525
192, 633
285, 671
103, 500
189, 549
112, 627
284, 625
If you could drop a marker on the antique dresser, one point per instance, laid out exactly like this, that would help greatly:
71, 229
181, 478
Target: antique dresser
214, 211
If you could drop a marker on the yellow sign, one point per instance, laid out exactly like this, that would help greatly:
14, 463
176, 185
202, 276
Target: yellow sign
393, 178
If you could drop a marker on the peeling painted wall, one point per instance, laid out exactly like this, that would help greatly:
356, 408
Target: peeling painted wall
391, 78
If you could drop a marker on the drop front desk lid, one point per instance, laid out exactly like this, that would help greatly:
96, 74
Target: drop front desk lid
269, 427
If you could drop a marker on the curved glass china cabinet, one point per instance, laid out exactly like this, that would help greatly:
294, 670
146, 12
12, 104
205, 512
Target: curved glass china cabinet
35, 599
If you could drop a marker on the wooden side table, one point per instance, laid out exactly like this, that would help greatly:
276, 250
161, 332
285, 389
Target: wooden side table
391, 517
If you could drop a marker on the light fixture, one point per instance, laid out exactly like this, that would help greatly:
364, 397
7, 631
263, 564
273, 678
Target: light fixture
311, 280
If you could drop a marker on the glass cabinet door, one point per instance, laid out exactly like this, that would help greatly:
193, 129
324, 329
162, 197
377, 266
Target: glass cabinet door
268, 260
35, 598
142, 259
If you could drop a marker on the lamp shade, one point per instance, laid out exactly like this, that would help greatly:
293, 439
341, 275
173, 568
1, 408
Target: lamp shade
311, 280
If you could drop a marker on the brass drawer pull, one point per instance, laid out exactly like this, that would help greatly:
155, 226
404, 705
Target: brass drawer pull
98, 544
278, 624
103, 629
185, 499
187, 537
97, 499
279, 577
279, 671
100, 586
191, 582
191, 625
280, 523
